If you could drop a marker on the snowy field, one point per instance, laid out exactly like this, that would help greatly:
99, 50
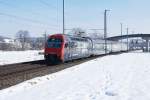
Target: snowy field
114, 77
10, 57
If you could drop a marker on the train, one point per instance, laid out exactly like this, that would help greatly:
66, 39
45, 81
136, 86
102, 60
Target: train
63, 47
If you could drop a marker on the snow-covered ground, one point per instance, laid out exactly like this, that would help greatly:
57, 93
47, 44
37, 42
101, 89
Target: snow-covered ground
114, 77
10, 57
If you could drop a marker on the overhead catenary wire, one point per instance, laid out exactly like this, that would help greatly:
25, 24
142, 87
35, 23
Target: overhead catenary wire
34, 22
51, 6
29, 25
32, 12
47, 4
4, 3
26, 19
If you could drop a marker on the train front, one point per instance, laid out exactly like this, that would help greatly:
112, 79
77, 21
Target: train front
54, 49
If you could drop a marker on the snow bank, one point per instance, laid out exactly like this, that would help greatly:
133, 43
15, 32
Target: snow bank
10, 57
116, 77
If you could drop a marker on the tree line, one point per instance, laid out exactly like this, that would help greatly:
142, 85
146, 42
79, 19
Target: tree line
22, 41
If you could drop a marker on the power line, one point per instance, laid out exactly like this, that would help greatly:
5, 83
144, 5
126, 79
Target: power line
30, 25
2, 2
47, 4
33, 13
51, 6
26, 19
14, 7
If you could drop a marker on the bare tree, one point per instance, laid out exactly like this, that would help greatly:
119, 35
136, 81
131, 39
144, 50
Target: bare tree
78, 32
23, 37
97, 35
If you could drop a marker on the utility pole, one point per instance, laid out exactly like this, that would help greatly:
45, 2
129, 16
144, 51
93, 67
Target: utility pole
121, 35
45, 36
105, 29
127, 39
63, 16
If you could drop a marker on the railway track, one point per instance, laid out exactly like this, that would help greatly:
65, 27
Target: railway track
16, 73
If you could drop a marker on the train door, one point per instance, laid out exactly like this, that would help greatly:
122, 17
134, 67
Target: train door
67, 50
73, 48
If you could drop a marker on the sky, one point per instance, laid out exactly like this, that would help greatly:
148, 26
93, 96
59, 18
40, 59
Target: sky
40, 16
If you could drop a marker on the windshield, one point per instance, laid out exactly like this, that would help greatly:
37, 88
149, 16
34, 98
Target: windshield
54, 42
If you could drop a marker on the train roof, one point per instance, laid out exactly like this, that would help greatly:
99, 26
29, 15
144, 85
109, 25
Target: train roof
96, 40
67, 35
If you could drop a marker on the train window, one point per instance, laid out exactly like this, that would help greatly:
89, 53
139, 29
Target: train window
54, 42
66, 45
54, 45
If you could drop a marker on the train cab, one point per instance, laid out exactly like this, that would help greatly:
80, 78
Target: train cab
54, 48
61, 48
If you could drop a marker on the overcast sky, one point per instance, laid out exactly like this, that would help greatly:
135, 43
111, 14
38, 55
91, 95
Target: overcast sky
38, 16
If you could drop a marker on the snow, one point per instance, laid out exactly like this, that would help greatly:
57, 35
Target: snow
11, 57
114, 77
8, 41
